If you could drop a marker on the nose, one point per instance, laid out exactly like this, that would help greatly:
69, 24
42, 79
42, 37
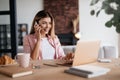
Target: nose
48, 25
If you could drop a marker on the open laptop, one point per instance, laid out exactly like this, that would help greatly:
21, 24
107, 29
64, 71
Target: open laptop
86, 52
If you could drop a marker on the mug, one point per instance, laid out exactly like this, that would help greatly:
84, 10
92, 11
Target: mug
23, 59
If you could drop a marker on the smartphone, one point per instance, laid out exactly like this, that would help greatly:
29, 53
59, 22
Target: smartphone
42, 28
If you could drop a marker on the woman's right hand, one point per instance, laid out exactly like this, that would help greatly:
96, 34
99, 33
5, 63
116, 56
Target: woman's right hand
37, 31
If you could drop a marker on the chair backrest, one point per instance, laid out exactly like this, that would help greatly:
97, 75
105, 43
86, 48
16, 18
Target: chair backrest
109, 52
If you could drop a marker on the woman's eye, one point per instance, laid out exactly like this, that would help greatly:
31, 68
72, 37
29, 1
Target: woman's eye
43, 23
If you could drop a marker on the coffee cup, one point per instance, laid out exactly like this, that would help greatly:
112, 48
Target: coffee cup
23, 59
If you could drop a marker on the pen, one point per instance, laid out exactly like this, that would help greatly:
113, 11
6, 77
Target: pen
51, 65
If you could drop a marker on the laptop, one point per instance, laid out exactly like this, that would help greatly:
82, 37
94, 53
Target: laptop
86, 52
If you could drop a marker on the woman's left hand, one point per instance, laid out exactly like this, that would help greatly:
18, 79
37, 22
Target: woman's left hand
69, 57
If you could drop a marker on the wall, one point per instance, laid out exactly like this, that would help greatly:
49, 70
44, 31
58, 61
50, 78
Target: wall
93, 27
26, 10
64, 12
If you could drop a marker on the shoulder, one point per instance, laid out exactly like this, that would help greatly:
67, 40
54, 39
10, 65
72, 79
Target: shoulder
29, 36
55, 38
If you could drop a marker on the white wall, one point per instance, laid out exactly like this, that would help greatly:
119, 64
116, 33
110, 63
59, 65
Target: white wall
93, 27
26, 10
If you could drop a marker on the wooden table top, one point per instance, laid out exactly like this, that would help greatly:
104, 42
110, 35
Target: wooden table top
57, 72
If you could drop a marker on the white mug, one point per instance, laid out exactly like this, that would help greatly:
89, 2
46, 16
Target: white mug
23, 59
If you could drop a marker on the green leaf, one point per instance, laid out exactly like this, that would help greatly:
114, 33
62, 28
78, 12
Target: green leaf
98, 13
92, 12
109, 10
104, 5
108, 24
118, 29
93, 2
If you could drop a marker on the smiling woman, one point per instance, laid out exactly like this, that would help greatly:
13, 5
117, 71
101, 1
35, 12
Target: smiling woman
42, 43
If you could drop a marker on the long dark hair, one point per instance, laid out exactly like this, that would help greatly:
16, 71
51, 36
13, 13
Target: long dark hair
40, 15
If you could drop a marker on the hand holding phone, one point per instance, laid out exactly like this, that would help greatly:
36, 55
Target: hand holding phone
37, 30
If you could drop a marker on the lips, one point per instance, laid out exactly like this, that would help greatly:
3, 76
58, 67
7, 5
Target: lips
46, 30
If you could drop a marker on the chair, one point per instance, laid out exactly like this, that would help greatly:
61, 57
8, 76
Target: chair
109, 52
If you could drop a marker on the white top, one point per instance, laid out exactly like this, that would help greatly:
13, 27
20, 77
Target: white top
47, 50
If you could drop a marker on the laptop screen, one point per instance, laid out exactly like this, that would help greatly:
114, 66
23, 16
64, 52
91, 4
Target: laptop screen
86, 52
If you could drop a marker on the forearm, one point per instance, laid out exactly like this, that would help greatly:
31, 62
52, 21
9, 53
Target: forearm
36, 50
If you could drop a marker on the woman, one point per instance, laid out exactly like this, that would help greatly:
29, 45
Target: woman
42, 43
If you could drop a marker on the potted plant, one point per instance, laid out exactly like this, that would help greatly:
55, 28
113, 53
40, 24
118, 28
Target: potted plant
110, 7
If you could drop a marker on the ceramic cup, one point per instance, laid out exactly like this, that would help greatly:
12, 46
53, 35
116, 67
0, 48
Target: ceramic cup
23, 59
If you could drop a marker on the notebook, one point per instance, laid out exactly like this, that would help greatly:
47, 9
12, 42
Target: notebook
15, 71
86, 52
88, 71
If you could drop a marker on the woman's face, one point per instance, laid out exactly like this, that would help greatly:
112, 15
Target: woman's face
45, 24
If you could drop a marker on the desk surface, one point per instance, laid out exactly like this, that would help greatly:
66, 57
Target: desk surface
57, 73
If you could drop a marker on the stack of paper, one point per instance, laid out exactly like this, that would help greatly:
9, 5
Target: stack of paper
87, 71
